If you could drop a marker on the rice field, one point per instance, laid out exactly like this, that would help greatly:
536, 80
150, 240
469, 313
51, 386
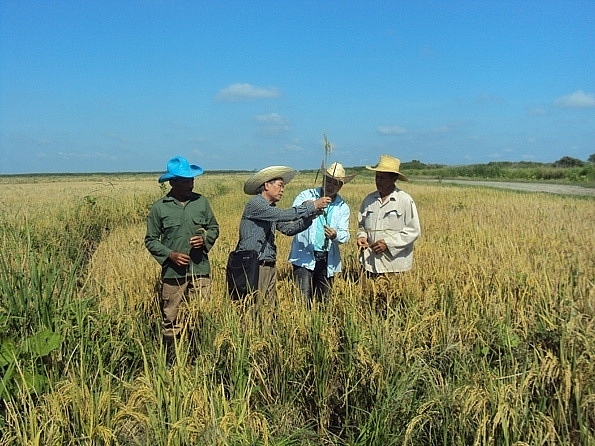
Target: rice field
489, 340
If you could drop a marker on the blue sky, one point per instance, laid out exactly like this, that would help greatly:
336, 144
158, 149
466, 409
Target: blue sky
114, 86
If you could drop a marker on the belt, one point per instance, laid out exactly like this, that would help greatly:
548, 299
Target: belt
181, 280
270, 263
320, 255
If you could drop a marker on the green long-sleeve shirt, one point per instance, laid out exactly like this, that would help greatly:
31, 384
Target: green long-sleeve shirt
169, 228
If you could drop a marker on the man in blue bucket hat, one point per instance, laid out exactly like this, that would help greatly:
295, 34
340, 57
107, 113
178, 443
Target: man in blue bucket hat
181, 230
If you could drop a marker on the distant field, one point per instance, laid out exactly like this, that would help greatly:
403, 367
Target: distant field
566, 170
534, 186
490, 339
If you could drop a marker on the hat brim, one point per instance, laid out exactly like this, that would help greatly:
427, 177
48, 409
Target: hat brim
268, 173
346, 179
400, 176
193, 172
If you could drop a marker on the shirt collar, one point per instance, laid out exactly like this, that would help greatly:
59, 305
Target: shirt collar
391, 196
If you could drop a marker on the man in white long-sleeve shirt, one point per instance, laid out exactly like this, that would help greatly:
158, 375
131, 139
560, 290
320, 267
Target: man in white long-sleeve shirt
388, 224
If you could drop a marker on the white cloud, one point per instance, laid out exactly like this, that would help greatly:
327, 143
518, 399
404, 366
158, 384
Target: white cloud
441, 129
197, 140
537, 111
488, 99
292, 147
243, 92
116, 137
83, 155
272, 123
269, 118
578, 99
391, 130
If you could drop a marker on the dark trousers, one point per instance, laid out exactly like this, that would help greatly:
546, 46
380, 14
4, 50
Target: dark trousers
313, 283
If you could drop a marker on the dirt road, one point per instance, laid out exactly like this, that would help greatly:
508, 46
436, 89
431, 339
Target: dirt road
562, 189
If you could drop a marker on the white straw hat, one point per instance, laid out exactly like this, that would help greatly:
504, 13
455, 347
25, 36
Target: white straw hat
337, 172
267, 174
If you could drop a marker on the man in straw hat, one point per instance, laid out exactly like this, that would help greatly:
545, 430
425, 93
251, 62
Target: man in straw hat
388, 224
181, 230
261, 218
315, 252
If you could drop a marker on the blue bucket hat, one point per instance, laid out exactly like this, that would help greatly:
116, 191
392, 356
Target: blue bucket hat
178, 167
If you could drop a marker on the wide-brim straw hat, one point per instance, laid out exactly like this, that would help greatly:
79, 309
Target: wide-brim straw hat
389, 163
267, 174
336, 171
179, 167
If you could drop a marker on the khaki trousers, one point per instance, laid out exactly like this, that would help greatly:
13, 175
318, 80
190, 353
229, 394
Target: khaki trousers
267, 282
267, 291
174, 293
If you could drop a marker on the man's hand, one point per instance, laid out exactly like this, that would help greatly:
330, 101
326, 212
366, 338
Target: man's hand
321, 203
197, 241
179, 258
330, 233
362, 242
379, 247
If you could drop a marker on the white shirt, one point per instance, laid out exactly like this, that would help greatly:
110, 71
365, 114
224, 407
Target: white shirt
397, 223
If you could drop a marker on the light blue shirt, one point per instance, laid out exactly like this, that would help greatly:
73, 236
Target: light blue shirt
305, 243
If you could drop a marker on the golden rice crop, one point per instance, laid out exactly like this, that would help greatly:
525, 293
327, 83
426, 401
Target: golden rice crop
490, 339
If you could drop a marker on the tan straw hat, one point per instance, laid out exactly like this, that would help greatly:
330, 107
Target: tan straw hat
267, 174
337, 172
389, 164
